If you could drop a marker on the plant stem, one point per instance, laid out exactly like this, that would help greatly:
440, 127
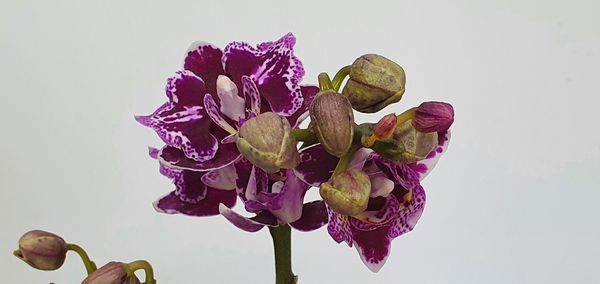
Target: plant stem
141, 264
304, 135
90, 266
340, 76
344, 161
282, 244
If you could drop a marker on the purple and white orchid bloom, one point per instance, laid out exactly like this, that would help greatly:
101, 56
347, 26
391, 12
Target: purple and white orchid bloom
396, 201
208, 101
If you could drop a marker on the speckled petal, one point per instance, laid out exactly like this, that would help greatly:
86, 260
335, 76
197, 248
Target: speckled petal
183, 122
308, 93
240, 221
424, 167
175, 158
273, 66
373, 246
381, 185
204, 60
316, 165
251, 96
188, 185
314, 216
339, 227
410, 214
223, 178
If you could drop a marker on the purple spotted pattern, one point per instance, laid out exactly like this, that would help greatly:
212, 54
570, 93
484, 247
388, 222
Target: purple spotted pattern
199, 121
391, 212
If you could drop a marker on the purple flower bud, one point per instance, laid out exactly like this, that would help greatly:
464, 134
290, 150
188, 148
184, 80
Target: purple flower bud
111, 273
42, 250
433, 117
347, 193
267, 142
333, 122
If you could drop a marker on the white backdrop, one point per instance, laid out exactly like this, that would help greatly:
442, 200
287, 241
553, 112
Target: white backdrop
515, 199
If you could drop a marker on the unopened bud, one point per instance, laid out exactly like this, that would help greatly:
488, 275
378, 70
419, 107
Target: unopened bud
407, 144
347, 193
375, 82
267, 142
384, 129
111, 273
433, 117
42, 250
333, 122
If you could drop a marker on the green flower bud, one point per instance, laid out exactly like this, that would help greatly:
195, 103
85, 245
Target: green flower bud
42, 250
347, 193
375, 82
111, 273
332, 120
267, 142
407, 143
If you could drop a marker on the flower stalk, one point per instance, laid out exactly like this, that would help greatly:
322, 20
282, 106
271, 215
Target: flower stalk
339, 77
90, 266
282, 244
132, 267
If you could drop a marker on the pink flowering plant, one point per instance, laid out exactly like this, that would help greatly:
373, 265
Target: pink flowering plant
231, 129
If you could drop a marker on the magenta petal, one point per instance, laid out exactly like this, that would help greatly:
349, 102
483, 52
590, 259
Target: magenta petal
172, 204
182, 122
204, 60
308, 93
372, 246
251, 96
424, 167
339, 227
188, 185
408, 218
316, 165
287, 204
273, 66
174, 158
240, 221
223, 178
314, 216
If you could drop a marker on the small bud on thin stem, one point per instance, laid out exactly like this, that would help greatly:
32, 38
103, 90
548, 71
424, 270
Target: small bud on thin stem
325, 82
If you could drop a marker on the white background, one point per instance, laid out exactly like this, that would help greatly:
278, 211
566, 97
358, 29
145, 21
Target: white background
515, 199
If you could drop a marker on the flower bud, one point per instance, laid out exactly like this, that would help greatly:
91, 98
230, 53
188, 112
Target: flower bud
407, 144
375, 82
347, 193
433, 117
267, 142
42, 250
384, 129
333, 122
111, 273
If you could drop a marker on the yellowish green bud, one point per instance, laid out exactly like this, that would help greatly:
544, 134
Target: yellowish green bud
111, 273
348, 192
267, 142
375, 82
42, 250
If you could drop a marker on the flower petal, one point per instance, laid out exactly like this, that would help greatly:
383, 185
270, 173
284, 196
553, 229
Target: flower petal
339, 227
212, 109
223, 178
287, 204
308, 93
381, 185
316, 165
232, 105
240, 221
204, 60
188, 185
314, 216
175, 158
424, 167
372, 246
182, 122
410, 215
172, 204
273, 66
251, 96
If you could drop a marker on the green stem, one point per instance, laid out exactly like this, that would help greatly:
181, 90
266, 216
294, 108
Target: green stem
340, 76
344, 161
282, 244
304, 135
144, 265
325, 82
90, 266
